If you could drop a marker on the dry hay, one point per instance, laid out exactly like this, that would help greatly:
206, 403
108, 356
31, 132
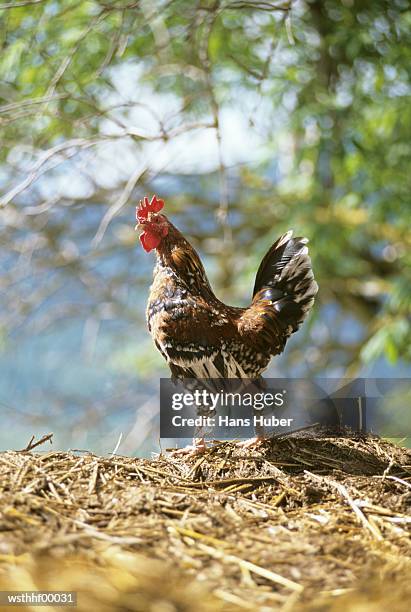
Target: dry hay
301, 524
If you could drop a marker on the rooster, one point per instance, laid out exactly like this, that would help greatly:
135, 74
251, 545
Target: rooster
198, 335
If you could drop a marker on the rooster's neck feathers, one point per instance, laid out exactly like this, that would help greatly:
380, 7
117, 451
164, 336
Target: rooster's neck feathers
179, 260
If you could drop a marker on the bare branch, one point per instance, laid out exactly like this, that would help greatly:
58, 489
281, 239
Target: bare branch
204, 51
67, 60
38, 168
31, 102
117, 206
260, 6
11, 5
33, 444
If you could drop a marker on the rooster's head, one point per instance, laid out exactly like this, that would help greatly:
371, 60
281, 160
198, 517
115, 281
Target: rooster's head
153, 225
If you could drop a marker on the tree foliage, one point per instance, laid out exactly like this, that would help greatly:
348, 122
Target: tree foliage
99, 99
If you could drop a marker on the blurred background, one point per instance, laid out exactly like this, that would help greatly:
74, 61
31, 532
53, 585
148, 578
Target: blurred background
248, 118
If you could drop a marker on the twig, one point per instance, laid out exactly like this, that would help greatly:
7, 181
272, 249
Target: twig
32, 445
68, 58
388, 468
396, 479
234, 599
195, 535
252, 567
31, 102
10, 5
289, 29
344, 493
93, 479
257, 5
37, 169
117, 206
118, 444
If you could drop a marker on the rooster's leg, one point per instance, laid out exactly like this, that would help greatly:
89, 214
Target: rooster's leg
196, 448
252, 442
256, 441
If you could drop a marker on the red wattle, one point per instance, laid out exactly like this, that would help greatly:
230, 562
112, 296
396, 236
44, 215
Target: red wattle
149, 241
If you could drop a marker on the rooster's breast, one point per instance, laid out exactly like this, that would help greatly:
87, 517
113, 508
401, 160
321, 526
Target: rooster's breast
198, 335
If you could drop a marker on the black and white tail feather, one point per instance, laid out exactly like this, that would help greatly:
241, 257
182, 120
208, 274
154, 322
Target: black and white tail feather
285, 277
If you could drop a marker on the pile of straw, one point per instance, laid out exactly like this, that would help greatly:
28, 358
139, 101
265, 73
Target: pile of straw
299, 524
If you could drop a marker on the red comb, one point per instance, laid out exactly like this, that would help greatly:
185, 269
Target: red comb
145, 207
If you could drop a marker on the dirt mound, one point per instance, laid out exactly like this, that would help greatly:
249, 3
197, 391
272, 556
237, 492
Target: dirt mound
300, 524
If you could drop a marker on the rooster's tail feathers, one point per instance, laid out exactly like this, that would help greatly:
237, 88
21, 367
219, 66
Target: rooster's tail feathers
286, 279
